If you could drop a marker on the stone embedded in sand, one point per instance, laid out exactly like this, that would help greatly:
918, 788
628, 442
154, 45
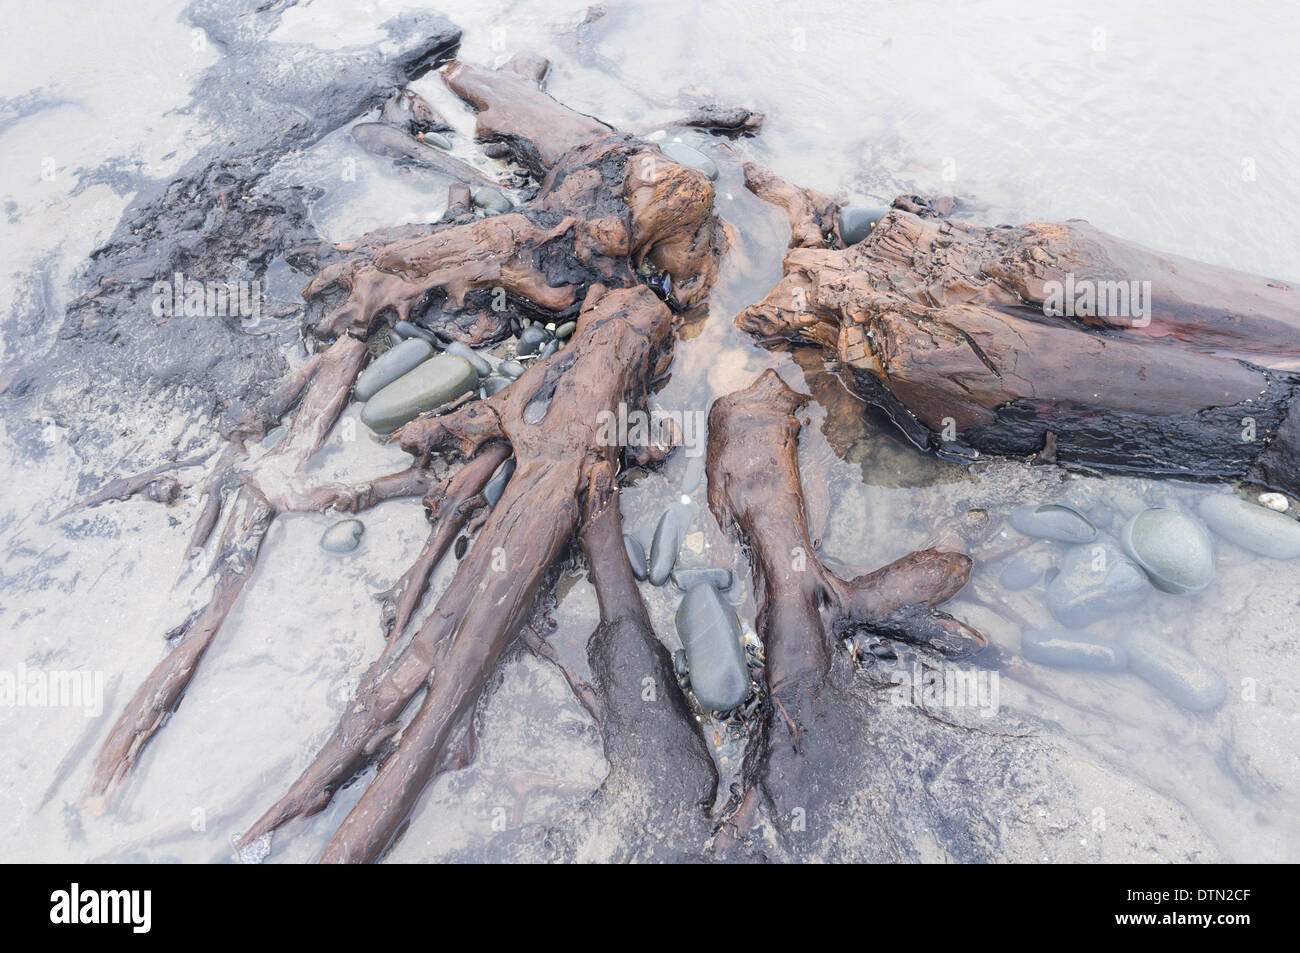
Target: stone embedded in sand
1180, 675
1054, 521
391, 365
437, 381
1172, 547
490, 199
1096, 580
343, 536
710, 634
1024, 569
668, 541
497, 485
857, 221
683, 154
1072, 650
1252, 527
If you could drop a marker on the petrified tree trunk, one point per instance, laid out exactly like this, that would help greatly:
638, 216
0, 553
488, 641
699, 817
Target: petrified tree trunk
960, 333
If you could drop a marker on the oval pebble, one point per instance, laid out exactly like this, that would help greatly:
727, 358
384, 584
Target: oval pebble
566, 330
1025, 569
635, 556
1072, 650
510, 369
1053, 521
1252, 527
391, 365
530, 339
1180, 675
406, 329
1172, 547
1095, 580
437, 381
461, 349
857, 221
710, 634
343, 536
683, 154
494, 487
490, 199
669, 533
494, 385
436, 139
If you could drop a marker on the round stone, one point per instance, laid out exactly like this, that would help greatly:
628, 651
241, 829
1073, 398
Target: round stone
1172, 547
343, 536
857, 221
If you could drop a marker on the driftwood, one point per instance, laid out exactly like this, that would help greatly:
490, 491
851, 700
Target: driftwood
958, 332
938, 321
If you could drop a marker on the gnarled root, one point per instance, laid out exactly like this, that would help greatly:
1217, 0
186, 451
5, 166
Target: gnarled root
754, 487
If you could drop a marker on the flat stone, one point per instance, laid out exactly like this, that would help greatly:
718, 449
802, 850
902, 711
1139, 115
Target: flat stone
437, 381
635, 556
1053, 521
1252, 527
460, 349
510, 369
494, 487
494, 385
668, 537
710, 634
391, 365
343, 536
1179, 674
1072, 650
1172, 547
1096, 580
683, 154
857, 221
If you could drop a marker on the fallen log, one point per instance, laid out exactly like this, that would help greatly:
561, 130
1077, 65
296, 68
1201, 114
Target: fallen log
1009, 339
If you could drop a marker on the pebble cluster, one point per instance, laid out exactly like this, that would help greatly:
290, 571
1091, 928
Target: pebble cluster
1099, 576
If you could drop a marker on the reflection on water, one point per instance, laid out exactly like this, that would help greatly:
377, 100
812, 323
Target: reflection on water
1164, 127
